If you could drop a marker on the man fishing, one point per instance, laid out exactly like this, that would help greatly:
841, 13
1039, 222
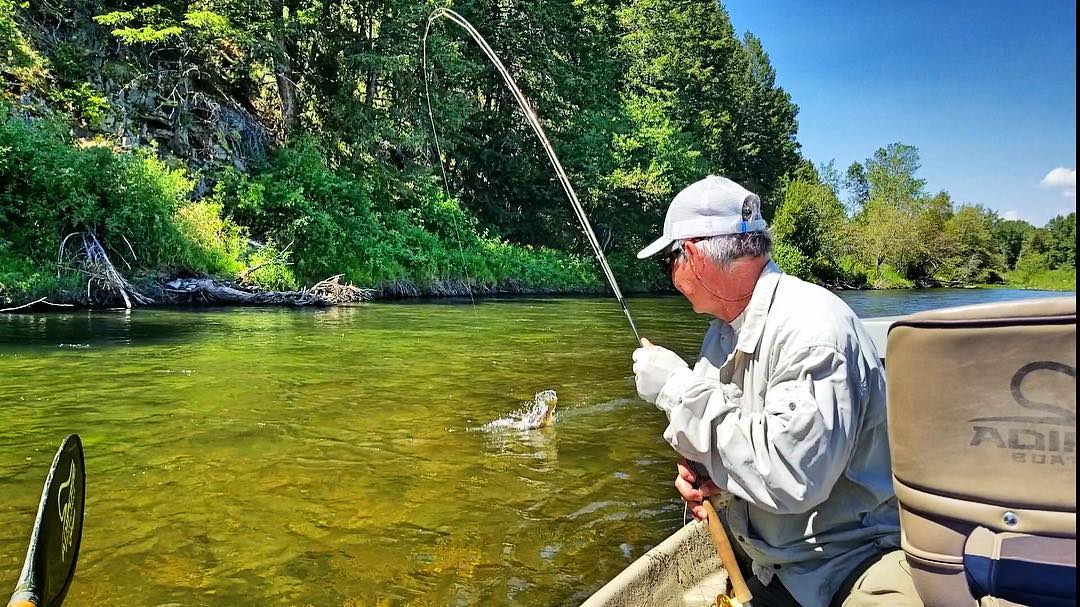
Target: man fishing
784, 409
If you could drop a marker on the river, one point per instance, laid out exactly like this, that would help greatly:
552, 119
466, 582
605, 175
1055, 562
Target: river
266, 457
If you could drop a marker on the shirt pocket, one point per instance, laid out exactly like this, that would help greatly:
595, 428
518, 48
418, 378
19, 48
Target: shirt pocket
784, 400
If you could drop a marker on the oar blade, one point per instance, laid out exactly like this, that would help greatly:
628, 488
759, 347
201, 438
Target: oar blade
57, 535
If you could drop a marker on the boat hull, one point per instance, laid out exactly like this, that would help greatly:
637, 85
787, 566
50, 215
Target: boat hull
683, 571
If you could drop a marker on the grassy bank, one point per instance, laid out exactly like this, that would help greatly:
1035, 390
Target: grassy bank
1061, 279
292, 222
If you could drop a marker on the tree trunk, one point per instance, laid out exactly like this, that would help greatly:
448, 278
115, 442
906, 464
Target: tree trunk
371, 84
283, 70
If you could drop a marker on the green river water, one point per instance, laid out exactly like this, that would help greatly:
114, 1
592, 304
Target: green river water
251, 457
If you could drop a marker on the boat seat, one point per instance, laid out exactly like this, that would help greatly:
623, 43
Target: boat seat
982, 432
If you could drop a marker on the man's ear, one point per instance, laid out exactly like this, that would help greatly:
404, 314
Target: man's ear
692, 250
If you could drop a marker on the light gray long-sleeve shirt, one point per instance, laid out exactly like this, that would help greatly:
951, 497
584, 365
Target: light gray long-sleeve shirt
786, 410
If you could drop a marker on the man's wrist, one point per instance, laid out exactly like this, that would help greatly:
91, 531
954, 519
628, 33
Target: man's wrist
671, 393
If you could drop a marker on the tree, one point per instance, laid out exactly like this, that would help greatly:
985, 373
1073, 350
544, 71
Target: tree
559, 55
887, 227
1051, 247
685, 62
930, 242
1010, 235
767, 145
973, 254
811, 219
1033, 257
857, 184
881, 234
890, 174
830, 176
1061, 241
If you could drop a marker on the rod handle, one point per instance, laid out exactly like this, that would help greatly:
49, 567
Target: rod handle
727, 554
720, 538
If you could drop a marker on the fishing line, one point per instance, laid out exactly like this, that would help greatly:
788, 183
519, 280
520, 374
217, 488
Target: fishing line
442, 168
530, 116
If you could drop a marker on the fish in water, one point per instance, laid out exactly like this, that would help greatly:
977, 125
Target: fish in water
536, 414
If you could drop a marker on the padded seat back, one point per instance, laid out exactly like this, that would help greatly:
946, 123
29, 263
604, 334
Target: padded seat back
982, 432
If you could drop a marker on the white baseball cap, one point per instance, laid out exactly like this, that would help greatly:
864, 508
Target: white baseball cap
710, 207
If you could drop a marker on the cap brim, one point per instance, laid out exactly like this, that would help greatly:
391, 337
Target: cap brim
657, 246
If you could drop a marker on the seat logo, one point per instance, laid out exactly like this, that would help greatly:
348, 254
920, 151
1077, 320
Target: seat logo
1052, 441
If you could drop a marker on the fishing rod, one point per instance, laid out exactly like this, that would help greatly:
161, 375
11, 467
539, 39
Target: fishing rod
534, 122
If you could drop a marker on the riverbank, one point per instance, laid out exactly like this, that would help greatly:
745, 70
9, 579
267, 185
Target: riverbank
217, 292
117, 167
210, 291
84, 223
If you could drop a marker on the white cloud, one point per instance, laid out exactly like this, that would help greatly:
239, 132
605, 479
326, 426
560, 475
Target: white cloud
1062, 179
1011, 215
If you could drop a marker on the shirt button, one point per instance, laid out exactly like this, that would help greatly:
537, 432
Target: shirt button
791, 406
776, 566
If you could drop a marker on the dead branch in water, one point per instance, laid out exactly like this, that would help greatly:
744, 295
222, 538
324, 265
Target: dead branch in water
34, 303
103, 274
332, 290
105, 285
209, 291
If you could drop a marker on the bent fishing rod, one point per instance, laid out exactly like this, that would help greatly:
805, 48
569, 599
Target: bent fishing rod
534, 122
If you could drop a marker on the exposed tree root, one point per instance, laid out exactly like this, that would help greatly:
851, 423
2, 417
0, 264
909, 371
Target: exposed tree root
104, 284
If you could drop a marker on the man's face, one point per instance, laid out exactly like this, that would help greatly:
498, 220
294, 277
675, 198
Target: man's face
684, 278
721, 292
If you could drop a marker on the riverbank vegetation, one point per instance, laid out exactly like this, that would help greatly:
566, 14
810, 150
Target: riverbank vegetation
276, 144
877, 226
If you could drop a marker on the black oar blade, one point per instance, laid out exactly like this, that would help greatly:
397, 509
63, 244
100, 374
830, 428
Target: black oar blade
54, 543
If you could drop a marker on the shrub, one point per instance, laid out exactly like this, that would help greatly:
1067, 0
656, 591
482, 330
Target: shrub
50, 188
316, 221
792, 261
337, 223
886, 277
214, 244
135, 204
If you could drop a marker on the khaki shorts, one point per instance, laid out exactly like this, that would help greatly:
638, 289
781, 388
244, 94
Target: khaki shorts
886, 583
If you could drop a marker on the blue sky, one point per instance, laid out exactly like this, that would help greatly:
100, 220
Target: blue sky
985, 90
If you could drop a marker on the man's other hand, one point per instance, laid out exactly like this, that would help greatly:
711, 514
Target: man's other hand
684, 483
653, 366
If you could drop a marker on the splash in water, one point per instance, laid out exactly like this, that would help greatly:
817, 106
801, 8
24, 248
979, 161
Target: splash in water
538, 413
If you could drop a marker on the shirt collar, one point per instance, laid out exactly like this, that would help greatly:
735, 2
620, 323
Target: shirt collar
753, 317
738, 322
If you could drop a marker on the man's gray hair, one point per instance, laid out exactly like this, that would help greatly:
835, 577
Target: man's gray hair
726, 248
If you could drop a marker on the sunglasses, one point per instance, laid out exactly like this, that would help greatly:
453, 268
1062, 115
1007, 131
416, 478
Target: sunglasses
673, 255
